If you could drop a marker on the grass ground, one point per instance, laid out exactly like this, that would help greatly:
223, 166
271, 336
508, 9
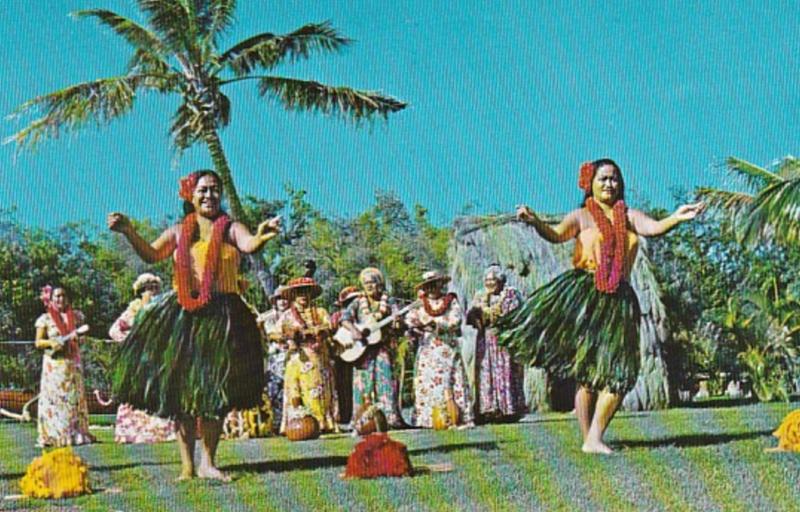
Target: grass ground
703, 458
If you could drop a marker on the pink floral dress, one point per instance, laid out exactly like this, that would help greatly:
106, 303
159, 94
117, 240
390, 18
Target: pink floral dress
133, 425
63, 413
439, 369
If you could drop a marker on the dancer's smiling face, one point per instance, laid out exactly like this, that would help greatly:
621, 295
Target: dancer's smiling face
206, 196
606, 184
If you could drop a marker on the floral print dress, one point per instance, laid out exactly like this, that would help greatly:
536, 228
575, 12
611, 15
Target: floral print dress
134, 425
276, 364
439, 369
63, 412
309, 374
500, 379
373, 377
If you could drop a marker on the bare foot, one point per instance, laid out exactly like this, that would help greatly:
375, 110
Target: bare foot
596, 447
212, 473
185, 475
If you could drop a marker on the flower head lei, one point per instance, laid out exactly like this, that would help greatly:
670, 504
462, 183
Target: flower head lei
45, 293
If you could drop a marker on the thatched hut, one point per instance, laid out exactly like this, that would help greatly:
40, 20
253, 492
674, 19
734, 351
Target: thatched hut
530, 262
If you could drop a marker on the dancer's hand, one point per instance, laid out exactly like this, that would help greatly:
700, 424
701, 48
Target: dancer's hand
118, 222
269, 228
525, 214
689, 211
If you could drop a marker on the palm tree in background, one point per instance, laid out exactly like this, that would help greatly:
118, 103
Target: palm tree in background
770, 209
178, 53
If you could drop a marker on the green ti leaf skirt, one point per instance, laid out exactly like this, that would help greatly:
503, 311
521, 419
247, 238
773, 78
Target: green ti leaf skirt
203, 363
575, 331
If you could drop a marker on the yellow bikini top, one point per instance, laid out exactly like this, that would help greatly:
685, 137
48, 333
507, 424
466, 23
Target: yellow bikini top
587, 250
226, 279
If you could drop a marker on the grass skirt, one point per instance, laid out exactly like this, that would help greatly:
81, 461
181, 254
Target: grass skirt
202, 363
575, 331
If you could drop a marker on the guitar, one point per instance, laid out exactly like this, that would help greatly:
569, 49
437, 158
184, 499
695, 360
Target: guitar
356, 348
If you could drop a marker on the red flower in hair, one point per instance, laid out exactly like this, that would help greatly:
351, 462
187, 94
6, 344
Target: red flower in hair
586, 175
187, 185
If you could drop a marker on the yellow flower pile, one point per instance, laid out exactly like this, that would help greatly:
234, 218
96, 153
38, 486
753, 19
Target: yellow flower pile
788, 433
56, 474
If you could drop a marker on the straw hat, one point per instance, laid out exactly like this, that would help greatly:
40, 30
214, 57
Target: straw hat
301, 283
432, 276
347, 294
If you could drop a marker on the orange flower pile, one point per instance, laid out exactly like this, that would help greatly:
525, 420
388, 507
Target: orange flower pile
56, 474
788, 433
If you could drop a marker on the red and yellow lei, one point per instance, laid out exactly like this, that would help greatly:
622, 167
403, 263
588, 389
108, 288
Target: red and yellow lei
612, 247
183, 266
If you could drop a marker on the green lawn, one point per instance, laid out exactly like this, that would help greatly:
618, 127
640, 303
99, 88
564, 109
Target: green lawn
703, 458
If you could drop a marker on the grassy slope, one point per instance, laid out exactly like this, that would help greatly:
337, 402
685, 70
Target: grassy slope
698, 458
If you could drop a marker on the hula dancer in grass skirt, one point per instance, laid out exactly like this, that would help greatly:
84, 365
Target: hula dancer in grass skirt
585, 323
195, 352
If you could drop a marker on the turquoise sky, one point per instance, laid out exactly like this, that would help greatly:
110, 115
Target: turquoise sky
507, 99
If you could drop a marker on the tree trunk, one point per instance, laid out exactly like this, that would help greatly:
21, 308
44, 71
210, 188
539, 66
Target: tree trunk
214, 145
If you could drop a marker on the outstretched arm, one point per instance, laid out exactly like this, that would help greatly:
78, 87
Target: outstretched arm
249, 243
160, 249
647, 226
566, 230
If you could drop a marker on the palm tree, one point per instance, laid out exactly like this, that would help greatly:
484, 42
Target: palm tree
178, 53
770, 210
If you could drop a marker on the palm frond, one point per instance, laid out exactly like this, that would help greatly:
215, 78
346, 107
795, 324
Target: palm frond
345, 102
754, 176
215, 17
171, 21
789, 167
156, 72
138, 36
774, 214
72, 108
268, 50
732, 202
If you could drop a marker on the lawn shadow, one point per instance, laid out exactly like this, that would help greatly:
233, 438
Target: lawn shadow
692, 440
282, 466
340, 461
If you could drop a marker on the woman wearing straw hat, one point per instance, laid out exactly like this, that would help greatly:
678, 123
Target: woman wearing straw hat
439, 374
133, 425
309, 375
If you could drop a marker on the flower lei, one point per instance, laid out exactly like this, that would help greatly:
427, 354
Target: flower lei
71, 351
448, 298
183, 267
612, 248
